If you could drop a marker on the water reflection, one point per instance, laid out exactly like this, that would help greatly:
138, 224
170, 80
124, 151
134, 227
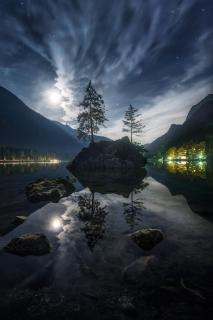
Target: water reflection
112, 181
56, 224
92, 214
194, 169
133, 210
7, 169
178, 177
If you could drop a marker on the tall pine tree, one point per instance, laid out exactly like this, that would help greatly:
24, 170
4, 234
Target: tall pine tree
131, 122
93, 114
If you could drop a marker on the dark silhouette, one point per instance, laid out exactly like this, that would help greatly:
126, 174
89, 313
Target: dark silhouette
21, 127
93, 215
131, 124
197, 127
93, 114
109, 155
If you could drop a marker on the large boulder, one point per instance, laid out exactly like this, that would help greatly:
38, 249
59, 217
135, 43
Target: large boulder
147, 238
49, 189
119, 154
29, 244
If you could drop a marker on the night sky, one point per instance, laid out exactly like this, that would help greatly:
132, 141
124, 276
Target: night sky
154, 54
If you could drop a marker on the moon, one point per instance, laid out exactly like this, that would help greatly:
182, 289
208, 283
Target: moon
56, 224
54, 96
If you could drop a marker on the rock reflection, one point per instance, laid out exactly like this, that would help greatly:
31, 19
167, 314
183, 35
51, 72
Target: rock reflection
92, 214
112, 181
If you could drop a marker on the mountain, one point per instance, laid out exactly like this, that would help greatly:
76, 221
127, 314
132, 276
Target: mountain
74, 133
21, 127
197, 127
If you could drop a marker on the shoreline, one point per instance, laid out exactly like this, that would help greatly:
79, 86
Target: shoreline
30, 161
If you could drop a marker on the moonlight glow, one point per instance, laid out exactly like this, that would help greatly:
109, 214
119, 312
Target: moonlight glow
54, 96
56, 224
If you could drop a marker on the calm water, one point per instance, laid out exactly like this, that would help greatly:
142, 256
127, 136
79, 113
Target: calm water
83, 275
13, 180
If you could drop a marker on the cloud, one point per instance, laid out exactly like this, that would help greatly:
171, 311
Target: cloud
164, 110
139, 52
202, 58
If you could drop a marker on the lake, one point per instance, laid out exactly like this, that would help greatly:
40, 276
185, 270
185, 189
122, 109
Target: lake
83, 276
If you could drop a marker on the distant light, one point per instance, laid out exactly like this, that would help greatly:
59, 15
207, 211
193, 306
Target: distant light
55, 161
170, 162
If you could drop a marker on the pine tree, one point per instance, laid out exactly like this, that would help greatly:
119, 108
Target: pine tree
131, 124
93, 114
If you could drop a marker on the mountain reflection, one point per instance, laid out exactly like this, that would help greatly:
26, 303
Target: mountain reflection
178, 177
92, 214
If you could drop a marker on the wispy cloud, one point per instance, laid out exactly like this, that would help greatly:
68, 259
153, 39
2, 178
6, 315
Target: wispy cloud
132, 50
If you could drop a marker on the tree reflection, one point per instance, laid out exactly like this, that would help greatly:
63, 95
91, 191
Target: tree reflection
7, 169
133, 209
196, 168
92, 214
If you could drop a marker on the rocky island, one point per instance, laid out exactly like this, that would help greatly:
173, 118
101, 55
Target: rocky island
109, 155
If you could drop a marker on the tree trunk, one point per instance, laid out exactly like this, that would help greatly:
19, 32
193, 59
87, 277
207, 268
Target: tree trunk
92, 136
91, 124
131, 135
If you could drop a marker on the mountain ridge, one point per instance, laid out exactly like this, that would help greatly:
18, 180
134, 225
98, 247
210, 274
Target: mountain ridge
74, 133
22, 127
197, 126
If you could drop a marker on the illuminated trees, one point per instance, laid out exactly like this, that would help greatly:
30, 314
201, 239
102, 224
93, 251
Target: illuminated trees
189, 152
181, 153
171, 153
196, 151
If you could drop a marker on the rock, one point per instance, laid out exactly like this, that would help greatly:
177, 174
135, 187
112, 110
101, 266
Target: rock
108, 155
19, 220
147, 238
137, 271
49, 189
29, 244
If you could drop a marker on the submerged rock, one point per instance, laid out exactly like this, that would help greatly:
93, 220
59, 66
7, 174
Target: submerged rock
29, 244
147, 238
137, 271
19, 220
127, 306
119, 154
49, 189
